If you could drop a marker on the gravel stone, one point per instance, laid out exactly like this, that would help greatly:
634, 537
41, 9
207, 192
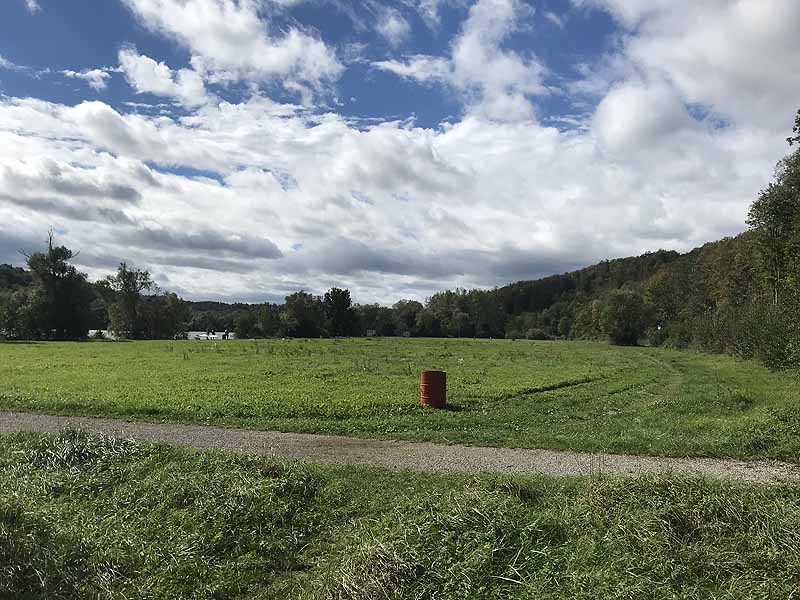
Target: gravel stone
415, 456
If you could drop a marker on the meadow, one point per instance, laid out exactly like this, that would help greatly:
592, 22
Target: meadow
576, 395
97, 517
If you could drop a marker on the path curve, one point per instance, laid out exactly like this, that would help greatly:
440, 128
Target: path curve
415, 456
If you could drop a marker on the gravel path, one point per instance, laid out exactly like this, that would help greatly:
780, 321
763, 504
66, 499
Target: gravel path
416, 456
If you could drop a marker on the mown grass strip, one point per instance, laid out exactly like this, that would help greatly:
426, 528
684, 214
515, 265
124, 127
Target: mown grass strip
562, 395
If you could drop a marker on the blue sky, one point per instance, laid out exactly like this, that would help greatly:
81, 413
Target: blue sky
84, 34
243, 149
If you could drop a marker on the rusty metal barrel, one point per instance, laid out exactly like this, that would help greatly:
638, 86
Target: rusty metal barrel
433, 389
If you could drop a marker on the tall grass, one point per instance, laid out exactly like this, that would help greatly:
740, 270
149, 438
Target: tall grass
95, 517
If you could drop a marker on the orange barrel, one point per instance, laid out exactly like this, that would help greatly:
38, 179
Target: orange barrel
433, 389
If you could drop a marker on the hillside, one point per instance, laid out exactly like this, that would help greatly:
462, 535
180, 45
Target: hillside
556, 305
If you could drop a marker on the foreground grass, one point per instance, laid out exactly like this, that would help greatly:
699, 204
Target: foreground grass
95, 517
583, 396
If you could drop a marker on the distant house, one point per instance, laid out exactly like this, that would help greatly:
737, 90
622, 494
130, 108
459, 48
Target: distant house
371, 333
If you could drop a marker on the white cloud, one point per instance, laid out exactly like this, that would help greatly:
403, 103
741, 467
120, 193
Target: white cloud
493, 82
257, 199
94, 78
393, 26
422, 68
659, 112
7, 64
388, 211
32, 6
734, 58
555, 19
430, 10
146, 75
230, 41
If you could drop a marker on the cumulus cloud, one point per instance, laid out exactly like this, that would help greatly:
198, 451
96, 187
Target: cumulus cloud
493, 82
661, 115
94, 78
730, 57
146, 75
230, 41
254, 199
388, 210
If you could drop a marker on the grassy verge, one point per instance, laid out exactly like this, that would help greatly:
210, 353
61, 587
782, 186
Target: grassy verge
584, 396
95, 517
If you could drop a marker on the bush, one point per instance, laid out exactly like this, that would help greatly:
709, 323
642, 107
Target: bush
657, 336
537, 334
624, 317
764, 332
770, 334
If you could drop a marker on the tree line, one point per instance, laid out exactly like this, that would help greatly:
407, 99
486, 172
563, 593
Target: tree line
52, 300
739, 295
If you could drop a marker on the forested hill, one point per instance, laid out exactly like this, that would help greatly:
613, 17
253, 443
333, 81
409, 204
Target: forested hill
540, 294
566, 305
672, 285
555, 306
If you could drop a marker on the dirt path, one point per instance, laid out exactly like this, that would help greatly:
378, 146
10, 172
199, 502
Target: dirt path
416, 456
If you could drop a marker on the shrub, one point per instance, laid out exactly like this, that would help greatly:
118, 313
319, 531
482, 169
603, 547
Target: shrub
624, 317
537, 334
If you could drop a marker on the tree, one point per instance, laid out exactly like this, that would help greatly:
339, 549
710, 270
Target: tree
377, 318
774, 218
565, 327
163, 316
406, 313
795, 130
124, 313
245, 325
21, 315
338, 310
14, 277
269, 320
64, 294
302, 315
625, 317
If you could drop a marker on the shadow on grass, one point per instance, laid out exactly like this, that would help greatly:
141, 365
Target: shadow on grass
454, 408
88, 340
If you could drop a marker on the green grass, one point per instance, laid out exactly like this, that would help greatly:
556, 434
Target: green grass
95, 517
584, 396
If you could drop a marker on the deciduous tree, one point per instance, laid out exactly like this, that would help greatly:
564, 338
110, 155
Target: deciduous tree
624, 317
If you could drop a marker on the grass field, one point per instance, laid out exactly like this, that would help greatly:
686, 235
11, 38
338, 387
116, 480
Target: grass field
94, 517
583, 396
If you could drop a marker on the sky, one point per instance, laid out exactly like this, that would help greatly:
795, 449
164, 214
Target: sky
242, 150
